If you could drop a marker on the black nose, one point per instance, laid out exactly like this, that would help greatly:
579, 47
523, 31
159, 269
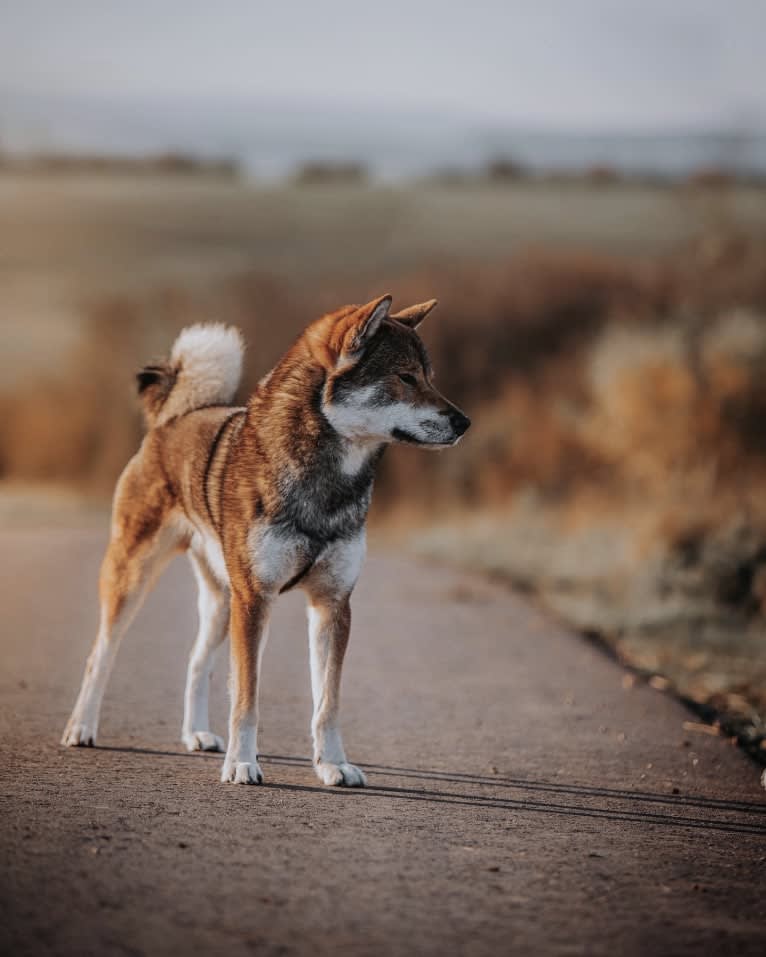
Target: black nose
459, 422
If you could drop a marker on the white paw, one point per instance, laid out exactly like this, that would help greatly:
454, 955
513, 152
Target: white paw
243, 772
202, 741
78, 736
340, 775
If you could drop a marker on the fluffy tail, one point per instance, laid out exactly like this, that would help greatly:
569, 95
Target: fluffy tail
204, 368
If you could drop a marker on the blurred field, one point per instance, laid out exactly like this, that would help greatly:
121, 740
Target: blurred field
609, 341
70, 240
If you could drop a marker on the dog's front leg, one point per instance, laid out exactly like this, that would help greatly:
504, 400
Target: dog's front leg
249, 619
329, 628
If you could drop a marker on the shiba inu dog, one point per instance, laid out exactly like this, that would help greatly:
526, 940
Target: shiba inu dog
263, 499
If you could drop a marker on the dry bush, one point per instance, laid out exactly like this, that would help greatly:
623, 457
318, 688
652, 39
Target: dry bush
585, 371
579, 370
617, 464
80, 425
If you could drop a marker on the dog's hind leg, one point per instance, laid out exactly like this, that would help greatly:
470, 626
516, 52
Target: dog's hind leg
213, 606
138, 551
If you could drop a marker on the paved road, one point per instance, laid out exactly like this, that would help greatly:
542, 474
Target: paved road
521, 800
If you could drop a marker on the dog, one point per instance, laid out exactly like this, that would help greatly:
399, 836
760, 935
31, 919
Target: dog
263, 498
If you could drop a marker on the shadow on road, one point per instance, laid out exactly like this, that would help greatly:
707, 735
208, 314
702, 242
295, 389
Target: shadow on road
590, 810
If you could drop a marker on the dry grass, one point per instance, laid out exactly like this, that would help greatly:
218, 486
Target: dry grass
583, 372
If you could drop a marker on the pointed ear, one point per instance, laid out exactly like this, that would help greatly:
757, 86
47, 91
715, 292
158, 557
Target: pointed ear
412, 316
355, 330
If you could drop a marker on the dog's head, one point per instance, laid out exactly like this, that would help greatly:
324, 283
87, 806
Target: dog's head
379, 383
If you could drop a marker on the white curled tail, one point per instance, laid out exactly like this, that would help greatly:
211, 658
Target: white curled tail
204, 368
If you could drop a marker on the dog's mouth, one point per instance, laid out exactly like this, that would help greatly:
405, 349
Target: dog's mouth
402, 435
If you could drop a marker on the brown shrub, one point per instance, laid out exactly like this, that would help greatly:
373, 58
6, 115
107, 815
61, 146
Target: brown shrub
580, 371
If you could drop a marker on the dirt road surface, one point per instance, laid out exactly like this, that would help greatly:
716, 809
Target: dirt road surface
521, 799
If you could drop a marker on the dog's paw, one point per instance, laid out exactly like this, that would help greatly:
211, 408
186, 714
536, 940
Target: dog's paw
202, 741
78, 736
243, 772
340, 775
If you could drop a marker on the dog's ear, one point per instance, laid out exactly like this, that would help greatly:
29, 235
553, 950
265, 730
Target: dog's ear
412, 316
355, 330
339, 338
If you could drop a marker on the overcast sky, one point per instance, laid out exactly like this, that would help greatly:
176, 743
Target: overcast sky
582, 64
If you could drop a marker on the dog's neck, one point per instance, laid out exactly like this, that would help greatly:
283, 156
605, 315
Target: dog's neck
324, 479
356, 455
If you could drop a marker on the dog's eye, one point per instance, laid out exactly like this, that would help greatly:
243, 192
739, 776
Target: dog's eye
407, 379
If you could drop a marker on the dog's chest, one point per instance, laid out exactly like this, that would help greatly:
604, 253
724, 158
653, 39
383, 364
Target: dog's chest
327, 506
318, 517
280, 558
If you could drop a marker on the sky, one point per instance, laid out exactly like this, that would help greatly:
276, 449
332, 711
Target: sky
559, 64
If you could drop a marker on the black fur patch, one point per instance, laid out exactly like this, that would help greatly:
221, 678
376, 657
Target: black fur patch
211, 455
